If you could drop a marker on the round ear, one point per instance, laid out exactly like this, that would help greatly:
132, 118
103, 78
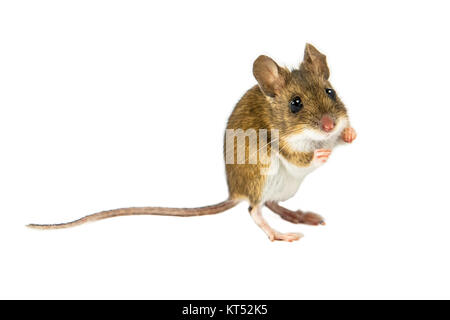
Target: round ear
271, 78
315, 62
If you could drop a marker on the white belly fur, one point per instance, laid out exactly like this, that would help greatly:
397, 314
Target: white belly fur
285, 178
284, 181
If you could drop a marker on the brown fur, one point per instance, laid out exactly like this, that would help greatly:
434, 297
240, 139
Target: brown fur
266, 106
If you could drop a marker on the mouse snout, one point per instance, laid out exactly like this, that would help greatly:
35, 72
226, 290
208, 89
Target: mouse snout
327, 123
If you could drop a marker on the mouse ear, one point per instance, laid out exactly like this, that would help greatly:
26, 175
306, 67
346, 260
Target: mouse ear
271, 77
315, 62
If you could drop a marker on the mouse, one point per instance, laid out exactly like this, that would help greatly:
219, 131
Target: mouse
281, 130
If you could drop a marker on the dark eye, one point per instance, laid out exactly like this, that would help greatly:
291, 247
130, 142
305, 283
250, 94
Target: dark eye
331, 93
296, 104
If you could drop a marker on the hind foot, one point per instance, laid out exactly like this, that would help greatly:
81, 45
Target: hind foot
349, 134
309, 218
289, 237
298, 216
273, 234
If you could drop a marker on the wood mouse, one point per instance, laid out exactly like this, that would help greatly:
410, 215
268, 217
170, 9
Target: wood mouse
301, 118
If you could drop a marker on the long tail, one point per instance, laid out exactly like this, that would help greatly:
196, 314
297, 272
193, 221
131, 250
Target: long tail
157, 211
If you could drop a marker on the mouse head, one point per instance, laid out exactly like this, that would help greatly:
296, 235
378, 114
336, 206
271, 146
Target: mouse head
301, 101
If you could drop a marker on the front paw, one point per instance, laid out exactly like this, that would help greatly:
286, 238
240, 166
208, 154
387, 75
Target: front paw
349, 134
321, 156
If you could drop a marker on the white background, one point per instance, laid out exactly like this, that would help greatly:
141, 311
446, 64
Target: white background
108, 104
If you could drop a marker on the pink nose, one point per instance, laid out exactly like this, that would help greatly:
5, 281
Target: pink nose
327, 124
